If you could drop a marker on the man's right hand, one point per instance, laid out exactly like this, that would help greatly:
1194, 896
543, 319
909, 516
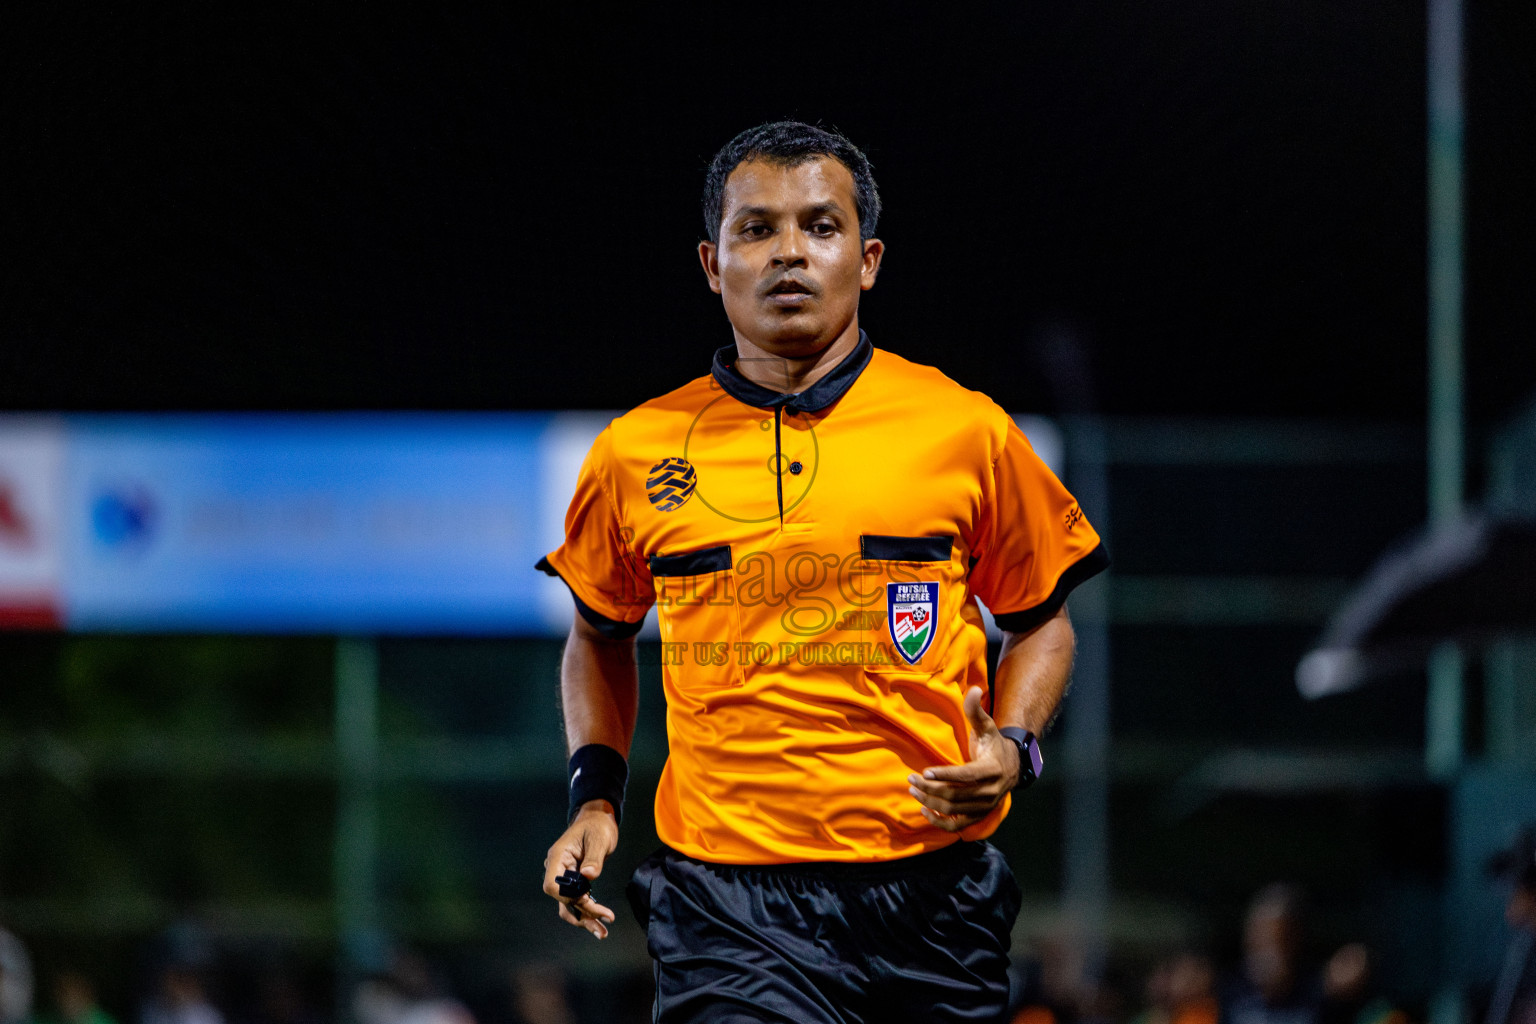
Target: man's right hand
593, 835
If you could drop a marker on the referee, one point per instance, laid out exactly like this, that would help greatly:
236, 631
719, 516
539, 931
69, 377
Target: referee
815, 519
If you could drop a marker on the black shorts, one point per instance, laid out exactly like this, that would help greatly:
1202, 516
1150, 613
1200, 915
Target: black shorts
924, 938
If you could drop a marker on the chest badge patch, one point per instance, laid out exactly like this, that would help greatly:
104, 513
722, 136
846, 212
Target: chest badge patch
912, 613
670, 483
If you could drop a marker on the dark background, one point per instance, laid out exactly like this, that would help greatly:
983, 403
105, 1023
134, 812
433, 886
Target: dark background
497, 209
1223, 203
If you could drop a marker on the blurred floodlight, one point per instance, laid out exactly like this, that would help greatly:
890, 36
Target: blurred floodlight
1329, 670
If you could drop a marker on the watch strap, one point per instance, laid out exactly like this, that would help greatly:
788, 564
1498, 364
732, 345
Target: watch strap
1030, 761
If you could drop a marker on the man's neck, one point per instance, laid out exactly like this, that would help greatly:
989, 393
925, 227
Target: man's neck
791, 375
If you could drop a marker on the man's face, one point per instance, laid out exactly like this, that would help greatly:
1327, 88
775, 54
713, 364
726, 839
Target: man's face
789, 265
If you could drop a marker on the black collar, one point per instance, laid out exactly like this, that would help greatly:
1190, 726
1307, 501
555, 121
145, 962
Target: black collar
813, 399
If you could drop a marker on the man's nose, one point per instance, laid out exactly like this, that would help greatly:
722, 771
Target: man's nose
791, 248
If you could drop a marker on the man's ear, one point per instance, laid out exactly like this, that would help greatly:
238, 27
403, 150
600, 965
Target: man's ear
874, 252
708, 256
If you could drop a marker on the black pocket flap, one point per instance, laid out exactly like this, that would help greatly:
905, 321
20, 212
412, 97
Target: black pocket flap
876, 548
692, 563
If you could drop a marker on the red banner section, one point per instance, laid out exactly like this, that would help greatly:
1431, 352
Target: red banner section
27, 615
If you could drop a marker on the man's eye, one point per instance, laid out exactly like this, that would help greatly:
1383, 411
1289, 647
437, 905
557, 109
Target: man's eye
823, 228
755, 230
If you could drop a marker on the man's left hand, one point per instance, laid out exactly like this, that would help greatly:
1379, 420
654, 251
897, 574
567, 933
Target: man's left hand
954, 797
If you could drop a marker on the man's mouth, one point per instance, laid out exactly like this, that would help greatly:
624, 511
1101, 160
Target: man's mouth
789, 292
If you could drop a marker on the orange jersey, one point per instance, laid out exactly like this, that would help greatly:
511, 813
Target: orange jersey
816, 560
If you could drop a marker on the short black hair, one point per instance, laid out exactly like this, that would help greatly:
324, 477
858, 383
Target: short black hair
790, 143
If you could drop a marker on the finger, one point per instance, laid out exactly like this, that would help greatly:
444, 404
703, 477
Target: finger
983, 782
966, 774
593, 857
946, 822
586, 922
942, 821
977, 805
595, 917
981, 722
584, 911
562, 857
591, 908
977, 795
587, 907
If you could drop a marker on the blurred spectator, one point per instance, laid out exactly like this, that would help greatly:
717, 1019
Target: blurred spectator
1514, 994
74, 1000
1180, 990
281, 1000
1057, 988
1044, 987
426, 1000
15, 980
180, 998
406, 994
378, 1000
1349, 990
1272, 989
1154, 994
1192, 990
540, 995
437, 1010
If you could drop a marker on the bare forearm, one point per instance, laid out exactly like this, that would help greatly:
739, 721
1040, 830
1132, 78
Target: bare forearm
599, 693
599, 690
1032, 673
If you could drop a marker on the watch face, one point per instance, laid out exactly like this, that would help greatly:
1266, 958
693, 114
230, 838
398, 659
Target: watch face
1036, 762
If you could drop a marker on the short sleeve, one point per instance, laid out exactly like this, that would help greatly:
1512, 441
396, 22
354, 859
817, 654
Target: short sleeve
612, 588
1033, 544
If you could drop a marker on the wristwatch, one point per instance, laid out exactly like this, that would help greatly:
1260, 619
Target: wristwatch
1030, 761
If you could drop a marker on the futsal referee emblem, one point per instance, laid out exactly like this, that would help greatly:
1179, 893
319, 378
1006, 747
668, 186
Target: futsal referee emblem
912, 608
670, 483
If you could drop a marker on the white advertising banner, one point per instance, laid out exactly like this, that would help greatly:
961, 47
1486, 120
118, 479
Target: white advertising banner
31, 520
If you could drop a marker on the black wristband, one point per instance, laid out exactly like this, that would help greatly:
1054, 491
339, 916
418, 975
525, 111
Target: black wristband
1030, 761
598, 772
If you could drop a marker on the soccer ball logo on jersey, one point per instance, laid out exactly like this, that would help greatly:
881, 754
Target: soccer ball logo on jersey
912, 611
670, 483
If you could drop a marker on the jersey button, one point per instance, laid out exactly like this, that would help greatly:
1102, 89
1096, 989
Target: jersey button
795, 468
